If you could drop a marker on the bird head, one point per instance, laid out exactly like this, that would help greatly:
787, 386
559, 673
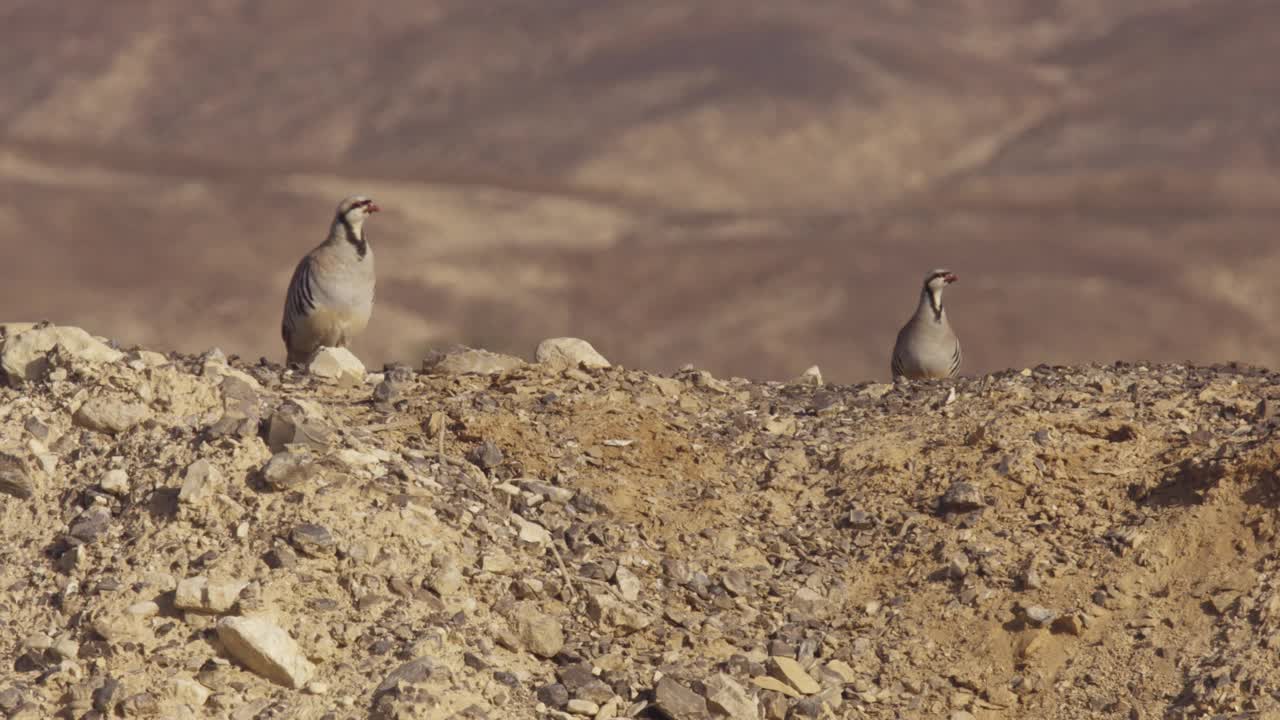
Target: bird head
938, 279
356, 208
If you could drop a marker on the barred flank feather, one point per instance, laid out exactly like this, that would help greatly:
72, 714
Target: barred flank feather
300, 300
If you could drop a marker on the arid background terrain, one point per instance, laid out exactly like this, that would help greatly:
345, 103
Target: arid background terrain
748, 185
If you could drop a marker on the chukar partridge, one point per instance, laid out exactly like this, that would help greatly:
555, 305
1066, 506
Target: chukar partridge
330, 295
926, 346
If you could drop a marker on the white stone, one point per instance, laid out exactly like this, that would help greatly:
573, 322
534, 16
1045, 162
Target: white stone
727, 696
578, 706
568, 352
146, 608
200, 481
115, 482
187, 691
266, 649
110, 415
25, 354
531, 532
628, 584
338, 364
197, 593
812, 376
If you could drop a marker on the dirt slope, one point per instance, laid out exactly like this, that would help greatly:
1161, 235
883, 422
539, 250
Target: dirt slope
1066, 542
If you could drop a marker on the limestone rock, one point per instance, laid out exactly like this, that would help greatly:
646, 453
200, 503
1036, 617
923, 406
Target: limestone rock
198, 593
15, 479
110, 415
201, 481
266, 649
568, 352
25, 354
608, 611
726, 696
287, 470
793, 673
336, 363
811, 376
470, 361
114, 481
91, 525
295, 423
540, 634
677, 702
187, 691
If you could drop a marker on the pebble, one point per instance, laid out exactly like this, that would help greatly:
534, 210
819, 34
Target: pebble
628, 584
286, 470
189, 692
447, 580
793, 673
677, 702
293, 424
313, 540
765, 682
487, 455
115, 482
1039, 616
1071, 624
578, 706
532, 533
726, 696
200, 481
540, 634
498, 563
91, 524
15, 479
607, 610
961, 497
553, 695
199, 594
146, 608
842, 670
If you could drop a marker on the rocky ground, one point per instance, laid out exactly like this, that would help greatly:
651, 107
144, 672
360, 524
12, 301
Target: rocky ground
484, 537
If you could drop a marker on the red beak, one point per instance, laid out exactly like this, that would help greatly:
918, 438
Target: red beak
951, 277
372, 208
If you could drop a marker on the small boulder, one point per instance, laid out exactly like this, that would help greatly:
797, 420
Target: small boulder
540, 634
469, 361
25, 354
726, 696
287, 470
677, 702
812, 377
15, 478
568, 352
295, 423
200, 482
199, 594
337, 363
266, 649
110, 415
